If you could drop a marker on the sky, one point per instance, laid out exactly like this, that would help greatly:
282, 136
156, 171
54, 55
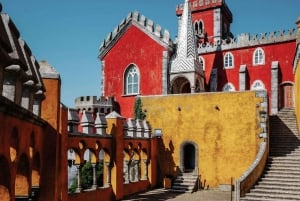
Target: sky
68, 33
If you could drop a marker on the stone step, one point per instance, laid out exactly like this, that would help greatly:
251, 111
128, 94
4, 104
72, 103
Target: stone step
283, 180
287, 176
283, 169
274, 160
281, 177
284, 165
274, 197
277, 183
184, 182
276, 192
279, 172
278, 187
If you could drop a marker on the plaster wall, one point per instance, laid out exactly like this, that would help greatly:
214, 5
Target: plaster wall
134, 47
297, 92
222, 125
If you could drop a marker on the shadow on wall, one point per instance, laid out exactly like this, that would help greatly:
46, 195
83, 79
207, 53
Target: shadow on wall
166, 165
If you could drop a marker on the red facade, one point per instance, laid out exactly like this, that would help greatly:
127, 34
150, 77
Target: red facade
211, 21
136, 47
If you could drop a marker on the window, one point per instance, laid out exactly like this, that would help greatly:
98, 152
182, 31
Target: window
228, 87
199, 28
258, 57
257, 85
228, 60
131, 80
202, 63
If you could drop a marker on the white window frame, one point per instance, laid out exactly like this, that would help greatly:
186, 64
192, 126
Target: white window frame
258, 57
228, 87
202, 62
258, 85
131, 87
228, 60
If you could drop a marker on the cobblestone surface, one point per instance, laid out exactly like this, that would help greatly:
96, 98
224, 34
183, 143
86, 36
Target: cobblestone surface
162, 194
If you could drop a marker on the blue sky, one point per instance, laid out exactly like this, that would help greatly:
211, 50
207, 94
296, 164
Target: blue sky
68, 33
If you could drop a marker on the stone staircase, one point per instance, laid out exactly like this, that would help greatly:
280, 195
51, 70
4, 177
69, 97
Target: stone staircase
185, 183
281, 178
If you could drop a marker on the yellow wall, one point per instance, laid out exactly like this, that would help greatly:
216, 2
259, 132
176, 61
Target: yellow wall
297, 77
223, 125
297, 92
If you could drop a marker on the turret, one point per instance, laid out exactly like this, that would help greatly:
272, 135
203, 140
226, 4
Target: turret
211, 19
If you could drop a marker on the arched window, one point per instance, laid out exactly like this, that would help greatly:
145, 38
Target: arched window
228, 60
257, 85
228, 87
258, 57
199, 28
202, 63
132, 79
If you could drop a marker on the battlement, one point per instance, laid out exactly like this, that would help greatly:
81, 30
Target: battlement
96, 124
83, 100
147, 25
245, 40
91, 103
196, 5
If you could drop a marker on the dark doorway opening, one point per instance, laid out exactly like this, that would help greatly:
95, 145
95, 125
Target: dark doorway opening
189, 157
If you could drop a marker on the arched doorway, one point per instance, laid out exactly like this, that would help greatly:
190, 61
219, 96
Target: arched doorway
180, 85
286, 95
189, 157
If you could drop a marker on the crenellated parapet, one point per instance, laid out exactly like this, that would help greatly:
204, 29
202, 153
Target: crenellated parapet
147, 25
137, 128
247, 40
91, 103
201, 5
86, 122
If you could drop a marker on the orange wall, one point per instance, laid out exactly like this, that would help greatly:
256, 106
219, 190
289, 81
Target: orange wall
51, 105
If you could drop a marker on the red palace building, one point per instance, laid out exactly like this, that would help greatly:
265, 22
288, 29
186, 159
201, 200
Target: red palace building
139, 58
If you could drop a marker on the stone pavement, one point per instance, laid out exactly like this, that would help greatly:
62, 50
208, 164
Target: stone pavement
162, 194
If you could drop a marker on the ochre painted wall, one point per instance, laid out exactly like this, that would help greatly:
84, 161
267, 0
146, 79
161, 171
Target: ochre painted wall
223, 125
51, 105
297, 91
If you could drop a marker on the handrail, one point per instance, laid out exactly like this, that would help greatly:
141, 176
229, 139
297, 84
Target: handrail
249, 178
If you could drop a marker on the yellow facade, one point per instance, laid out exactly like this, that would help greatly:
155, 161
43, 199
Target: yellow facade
297, 92
223, 126
297, 75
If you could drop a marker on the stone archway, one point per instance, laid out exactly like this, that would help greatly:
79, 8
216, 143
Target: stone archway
180, 85
189, 157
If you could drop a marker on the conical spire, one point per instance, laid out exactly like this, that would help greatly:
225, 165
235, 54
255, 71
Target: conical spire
186, 45
186, 57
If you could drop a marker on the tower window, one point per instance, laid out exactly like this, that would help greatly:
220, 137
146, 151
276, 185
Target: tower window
202, 63
199, 28
228, 60
259, 57
131, 85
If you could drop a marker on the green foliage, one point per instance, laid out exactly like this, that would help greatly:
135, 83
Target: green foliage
138, 111
73, 187
86, 176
